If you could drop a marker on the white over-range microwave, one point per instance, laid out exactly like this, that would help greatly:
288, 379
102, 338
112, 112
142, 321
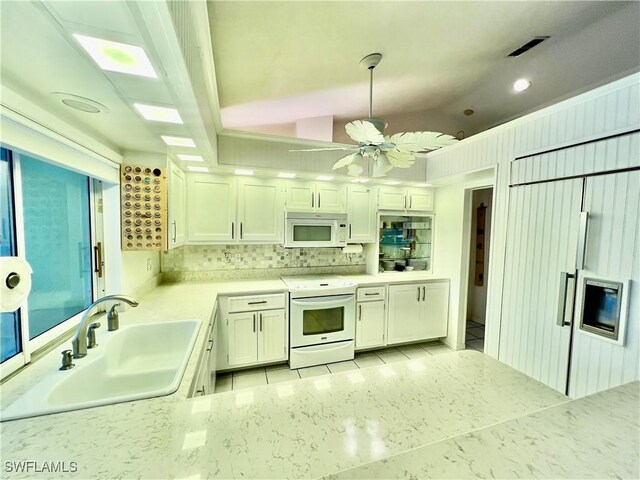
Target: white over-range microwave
308, 229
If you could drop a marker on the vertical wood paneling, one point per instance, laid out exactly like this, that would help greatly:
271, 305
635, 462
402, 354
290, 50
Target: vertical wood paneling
612, 252
543, 225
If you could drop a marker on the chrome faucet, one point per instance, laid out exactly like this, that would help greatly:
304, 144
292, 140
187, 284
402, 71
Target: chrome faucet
79, 342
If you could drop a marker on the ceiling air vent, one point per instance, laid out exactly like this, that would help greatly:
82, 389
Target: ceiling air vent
528, 46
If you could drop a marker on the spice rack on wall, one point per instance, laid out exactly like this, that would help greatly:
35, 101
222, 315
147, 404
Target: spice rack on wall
143, 207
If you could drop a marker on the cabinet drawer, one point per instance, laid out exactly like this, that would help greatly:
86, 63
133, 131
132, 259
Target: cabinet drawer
256, 302
370, 293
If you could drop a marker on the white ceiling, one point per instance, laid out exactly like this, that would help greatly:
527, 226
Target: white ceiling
277, 62
39, 56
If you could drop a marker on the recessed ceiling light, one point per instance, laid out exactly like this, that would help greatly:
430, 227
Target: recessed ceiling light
521, 85
80, 103
360, 180
178, 141
422, 185
239, 171
324, 178
190, 158
158, 114
197, 169
286, 175
392, 183
117, 57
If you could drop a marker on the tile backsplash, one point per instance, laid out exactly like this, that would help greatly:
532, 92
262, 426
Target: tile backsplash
211, 262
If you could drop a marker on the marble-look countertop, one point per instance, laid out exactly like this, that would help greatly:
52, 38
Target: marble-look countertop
309, 428
592, 437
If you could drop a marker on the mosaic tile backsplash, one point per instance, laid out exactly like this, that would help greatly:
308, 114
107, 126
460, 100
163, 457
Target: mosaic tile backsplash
207, 262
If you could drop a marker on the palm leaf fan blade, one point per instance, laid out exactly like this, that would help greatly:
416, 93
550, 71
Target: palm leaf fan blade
421, 141
345, 161
364, 132
400, 159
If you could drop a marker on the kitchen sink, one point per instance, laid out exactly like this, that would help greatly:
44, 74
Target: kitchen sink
132, 363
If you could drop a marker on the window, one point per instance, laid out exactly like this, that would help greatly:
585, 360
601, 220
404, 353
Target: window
48, 213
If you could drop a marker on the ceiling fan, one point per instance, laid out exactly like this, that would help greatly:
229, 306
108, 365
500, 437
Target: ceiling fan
386, 152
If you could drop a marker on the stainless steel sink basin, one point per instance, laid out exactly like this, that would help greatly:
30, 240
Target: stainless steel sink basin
132, 363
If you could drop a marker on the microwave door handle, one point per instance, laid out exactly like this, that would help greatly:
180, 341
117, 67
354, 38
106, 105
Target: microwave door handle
313, 200
318, 199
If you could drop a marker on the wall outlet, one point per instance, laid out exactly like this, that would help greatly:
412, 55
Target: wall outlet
149, 266
227, 257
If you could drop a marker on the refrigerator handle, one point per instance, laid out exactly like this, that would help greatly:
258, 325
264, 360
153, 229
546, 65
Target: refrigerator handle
582, 240
565, 299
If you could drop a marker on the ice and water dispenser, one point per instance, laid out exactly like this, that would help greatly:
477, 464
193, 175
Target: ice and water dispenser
603, 308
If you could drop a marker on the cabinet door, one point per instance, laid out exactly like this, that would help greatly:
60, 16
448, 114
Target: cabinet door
272, 335
242, 335
329, 198
362, 214
542, 236
435, 310
177, 211
419, 200
370, 325
260, 212
301, 197
211, 204
404, 313
390, 198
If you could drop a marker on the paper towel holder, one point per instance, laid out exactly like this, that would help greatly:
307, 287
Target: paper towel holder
12, 280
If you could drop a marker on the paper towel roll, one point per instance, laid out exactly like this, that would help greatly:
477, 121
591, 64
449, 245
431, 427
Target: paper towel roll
355, 248
14, 271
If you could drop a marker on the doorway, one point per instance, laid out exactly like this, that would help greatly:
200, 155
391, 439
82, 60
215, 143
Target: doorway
479, 244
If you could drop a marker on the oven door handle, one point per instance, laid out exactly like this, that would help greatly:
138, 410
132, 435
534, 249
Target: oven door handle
323, 302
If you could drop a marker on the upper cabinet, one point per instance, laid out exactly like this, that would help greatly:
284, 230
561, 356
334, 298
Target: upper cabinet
361, 214
412, 199
211, 208
260, 210
315, 197
177, 207
224, 209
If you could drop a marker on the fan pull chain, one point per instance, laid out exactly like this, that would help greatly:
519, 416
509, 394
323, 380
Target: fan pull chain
371, 92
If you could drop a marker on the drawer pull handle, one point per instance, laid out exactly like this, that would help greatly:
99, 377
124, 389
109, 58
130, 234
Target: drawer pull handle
257, 303
377, 293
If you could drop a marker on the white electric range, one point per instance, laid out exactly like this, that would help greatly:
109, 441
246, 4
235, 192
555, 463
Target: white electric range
322, 317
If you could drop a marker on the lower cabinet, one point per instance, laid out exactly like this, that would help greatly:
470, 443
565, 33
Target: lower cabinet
257, 334
257, 337
418, 311
205, 377
370, 318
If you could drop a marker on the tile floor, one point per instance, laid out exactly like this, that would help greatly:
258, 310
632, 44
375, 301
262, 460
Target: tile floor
474, 336
256, 377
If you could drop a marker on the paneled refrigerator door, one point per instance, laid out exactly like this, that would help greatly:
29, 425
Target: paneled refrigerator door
612, 244
542, 241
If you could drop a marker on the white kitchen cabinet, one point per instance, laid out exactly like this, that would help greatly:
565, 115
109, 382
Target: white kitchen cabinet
177, 207
361, 212
254, 330
242, 346
205, 377
419, 200
260, 211
410, 199
272, 336
314, 197
211, 209
418, 311
370, 324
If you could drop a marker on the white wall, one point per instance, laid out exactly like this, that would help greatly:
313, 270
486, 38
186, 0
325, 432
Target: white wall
451, 237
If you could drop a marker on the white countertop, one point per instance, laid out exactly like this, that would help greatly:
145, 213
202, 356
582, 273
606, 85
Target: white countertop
306, 429
309, 428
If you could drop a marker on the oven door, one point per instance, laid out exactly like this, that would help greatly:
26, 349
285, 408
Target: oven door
322, 319
310, 233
